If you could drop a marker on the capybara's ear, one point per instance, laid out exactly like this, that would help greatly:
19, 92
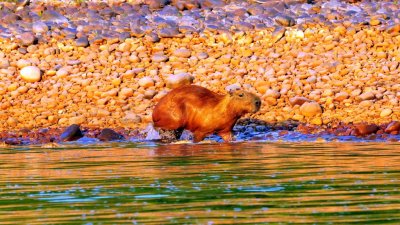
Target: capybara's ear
231, 92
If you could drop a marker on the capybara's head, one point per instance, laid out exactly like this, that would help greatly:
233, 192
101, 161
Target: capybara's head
244, 102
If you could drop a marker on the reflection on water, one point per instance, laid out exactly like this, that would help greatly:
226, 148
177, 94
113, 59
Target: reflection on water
249, 183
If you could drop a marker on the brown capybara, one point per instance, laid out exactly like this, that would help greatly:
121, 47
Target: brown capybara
202, 111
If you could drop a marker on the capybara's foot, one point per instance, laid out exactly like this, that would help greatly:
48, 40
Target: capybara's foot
169, 135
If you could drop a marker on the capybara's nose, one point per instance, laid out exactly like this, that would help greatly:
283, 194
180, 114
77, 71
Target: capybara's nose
258, 103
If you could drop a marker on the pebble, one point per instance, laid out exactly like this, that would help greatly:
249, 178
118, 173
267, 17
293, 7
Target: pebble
182, 52
146, 82
386, 112
39, 27
298, 100
159, 58
174, 81
310, 109
27, 38
71, 133
82, 42
367, 96
31, 74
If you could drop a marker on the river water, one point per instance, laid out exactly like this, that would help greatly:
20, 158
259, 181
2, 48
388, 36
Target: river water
209, 183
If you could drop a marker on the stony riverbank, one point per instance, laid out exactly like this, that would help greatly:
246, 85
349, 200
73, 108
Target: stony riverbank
101, 64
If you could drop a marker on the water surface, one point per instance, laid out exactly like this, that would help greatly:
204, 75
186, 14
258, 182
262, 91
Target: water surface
236, 183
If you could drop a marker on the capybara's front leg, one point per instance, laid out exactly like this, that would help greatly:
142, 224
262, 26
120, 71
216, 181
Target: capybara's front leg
227, 136
198, 136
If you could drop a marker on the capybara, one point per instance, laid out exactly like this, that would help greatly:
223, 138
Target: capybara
202, 111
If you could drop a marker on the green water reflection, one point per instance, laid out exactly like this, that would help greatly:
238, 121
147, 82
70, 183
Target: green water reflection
239, 183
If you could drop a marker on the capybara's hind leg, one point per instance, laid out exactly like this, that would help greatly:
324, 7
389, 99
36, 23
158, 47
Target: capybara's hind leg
198, 136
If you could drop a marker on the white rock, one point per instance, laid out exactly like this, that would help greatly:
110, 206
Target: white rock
174, 81
386, 112
146, 82
31, 74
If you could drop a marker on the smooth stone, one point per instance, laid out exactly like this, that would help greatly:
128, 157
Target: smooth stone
310, 109
82, 42
27, 38
131, 119
174, 81
108, 134
182, 52
366, 96
4, 63
156, 4
71, 133
272, 93
149, 94
159, 58
169, 32
285, 20
39, 27
298, 100
233, 87
146, 82
341, 96
212, 3
386, 112
53, 17
21, 63
30, 74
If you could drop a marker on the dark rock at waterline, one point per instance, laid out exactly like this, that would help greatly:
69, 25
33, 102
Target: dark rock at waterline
82, 42
108, 134
71, 133
393, 127
365, 129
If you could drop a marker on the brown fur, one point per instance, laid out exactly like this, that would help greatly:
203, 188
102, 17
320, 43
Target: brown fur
202, 111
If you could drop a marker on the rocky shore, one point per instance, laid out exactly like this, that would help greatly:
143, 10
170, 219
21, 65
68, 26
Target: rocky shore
105, 64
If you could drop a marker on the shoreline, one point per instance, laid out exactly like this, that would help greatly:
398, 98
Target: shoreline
336, 66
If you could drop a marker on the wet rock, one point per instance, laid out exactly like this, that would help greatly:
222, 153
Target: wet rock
71, 133
310, 109
174, 81
27, 38
31, 74
109, 135
298, 100
393, 126
39, 27
365, 129
82, 42
285, 20
53, 16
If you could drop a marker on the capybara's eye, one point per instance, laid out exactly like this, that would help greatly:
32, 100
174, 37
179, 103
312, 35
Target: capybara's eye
241, 95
